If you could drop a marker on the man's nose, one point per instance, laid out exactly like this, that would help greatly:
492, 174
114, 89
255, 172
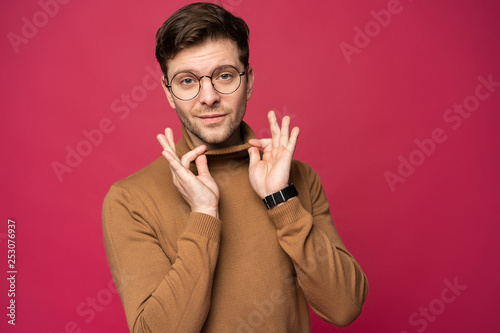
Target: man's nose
208, 95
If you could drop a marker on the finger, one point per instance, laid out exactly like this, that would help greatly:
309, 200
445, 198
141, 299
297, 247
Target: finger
293, 139
254, 156
178, 170
167, 140
202, 166
275, 129
285, 128
172, 160
162, 140
166, 146
191, 155
169, 134
260, 143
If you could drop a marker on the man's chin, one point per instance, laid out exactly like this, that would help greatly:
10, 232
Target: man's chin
215, 138
221, 134
218, 136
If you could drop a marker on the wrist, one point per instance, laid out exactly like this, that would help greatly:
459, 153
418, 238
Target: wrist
280, 196
209, 211
273, 190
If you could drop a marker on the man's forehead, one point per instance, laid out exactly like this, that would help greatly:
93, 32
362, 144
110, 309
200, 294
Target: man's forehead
205, 57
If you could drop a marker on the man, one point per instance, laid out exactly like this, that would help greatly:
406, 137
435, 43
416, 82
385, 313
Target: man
199, 248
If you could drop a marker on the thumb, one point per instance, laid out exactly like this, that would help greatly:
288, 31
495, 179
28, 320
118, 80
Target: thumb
254, 156
201, 165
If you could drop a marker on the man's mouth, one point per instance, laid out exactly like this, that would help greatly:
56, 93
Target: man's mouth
212, 118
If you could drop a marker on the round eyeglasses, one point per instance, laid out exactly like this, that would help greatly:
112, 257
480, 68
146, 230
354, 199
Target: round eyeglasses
186, 86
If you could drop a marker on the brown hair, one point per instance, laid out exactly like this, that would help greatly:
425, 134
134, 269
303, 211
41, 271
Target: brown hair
196, 23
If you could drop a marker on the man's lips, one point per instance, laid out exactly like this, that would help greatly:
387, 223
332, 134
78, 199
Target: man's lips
212, 118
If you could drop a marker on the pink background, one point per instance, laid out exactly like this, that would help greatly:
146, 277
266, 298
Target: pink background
360, 115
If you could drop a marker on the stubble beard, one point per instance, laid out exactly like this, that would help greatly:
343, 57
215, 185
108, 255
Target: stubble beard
230, 124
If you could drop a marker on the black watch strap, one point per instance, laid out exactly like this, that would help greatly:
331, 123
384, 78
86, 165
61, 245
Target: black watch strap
281, 196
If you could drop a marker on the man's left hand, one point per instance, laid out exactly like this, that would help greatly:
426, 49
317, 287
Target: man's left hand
271, 173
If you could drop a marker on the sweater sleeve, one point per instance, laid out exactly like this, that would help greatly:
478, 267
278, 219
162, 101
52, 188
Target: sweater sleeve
159, 294
332, 281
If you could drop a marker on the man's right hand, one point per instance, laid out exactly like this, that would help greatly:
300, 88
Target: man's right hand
200, 192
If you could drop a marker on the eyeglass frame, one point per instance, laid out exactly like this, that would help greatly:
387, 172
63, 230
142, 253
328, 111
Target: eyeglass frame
169, 86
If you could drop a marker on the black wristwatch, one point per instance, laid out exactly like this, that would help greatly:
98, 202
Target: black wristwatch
281, 196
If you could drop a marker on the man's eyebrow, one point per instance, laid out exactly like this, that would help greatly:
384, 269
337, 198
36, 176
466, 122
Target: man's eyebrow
191, 70
187, 69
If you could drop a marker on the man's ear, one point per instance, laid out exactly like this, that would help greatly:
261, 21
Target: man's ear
170, 97
250, 79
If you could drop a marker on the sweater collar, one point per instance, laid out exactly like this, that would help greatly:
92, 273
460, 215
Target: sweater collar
185, 144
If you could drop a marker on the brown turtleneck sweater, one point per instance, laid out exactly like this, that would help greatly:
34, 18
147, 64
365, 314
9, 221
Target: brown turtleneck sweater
252, 270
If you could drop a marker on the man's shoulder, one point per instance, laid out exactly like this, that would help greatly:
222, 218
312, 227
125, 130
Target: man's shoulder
301, 169
146, 178
302, 173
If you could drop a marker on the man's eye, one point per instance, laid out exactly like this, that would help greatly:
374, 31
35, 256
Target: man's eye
187, 81
225, 77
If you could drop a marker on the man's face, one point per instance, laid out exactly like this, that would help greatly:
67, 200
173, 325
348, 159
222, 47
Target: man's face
211, 118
